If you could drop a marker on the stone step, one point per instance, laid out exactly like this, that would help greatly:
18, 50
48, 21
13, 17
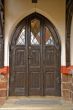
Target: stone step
37, 103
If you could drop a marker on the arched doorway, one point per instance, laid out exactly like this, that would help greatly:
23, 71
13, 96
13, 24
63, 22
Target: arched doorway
35, 58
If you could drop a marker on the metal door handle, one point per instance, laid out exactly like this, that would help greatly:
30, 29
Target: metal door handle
29, 57
29, 47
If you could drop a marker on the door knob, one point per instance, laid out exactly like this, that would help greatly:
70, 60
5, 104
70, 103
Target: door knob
29, 47
29, 57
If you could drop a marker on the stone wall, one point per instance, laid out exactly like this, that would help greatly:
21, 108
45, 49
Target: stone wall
3, 84
72, 89
66, 86
66, 91
3, 89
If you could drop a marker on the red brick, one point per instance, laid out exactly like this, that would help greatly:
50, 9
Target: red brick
66, 85
66, 95
72, 96
3, 85
69, 78
3, 93
2, 100
71, 88
72, 79
64, 78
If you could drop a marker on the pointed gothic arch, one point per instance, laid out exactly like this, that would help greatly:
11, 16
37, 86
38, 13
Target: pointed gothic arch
35, 58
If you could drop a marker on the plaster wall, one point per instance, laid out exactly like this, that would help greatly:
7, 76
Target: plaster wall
71, 42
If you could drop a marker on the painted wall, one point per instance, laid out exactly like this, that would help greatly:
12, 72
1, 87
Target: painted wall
16, 10
71, 40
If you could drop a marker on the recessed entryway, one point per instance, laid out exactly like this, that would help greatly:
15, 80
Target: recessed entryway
35, 58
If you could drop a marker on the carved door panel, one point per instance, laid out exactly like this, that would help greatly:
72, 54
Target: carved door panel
51, 65
35, 73
50, 71
18, 76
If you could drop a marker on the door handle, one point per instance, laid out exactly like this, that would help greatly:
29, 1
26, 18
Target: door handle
29, 57
29, 47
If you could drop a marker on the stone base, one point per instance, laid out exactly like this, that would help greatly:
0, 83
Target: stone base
66, 88
2, 100
72, 90
3, 90
66, 82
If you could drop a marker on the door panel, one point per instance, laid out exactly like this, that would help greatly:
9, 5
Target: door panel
49, 83
35, 75
50, 71
20, 83
18, 79
35, 56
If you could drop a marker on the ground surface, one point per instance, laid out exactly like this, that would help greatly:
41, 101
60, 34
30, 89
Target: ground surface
36, 103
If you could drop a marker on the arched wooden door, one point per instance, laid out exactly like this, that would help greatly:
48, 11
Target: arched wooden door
35, 58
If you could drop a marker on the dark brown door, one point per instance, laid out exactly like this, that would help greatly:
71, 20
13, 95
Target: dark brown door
19, 76
51, 64
34, 59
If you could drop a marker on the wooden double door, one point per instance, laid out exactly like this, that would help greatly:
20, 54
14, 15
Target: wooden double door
34, 60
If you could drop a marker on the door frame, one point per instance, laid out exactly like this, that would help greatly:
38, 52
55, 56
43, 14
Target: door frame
18, 29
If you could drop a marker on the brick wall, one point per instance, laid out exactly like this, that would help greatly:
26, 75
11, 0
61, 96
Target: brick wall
66, 86
72, 89
3, 89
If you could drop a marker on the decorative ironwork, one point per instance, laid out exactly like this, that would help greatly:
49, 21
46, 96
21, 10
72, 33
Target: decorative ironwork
48, 37
21, 38
34, 40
